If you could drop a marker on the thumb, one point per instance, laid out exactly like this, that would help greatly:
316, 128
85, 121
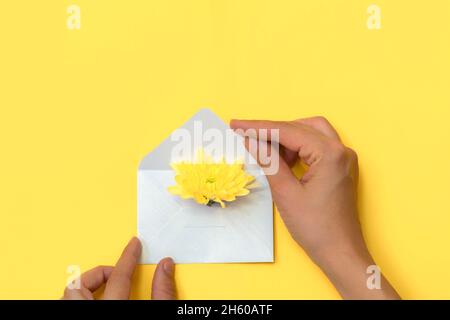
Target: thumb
163, 286
282, 181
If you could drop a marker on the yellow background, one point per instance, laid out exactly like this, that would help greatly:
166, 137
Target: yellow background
80, 108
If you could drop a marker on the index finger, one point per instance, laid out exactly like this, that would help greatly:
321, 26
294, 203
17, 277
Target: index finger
322, 125
294, 136
119, 283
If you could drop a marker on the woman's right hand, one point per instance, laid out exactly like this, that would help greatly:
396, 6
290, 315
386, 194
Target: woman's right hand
320, 209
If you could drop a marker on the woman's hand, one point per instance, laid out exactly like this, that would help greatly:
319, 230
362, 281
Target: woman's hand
117, 280
320, 209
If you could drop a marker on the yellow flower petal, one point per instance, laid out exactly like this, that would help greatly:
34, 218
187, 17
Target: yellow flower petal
207, 181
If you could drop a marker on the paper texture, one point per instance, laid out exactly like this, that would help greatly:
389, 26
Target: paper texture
169, 226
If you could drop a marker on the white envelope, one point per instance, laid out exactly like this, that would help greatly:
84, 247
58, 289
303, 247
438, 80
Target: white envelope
169, 226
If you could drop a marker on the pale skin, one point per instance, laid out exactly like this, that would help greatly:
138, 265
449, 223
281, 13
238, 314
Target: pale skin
117, 279
319, 210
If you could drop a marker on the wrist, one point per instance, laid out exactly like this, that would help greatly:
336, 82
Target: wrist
347, 268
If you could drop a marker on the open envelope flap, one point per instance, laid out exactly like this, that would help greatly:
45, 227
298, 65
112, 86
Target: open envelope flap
204, 120
194, 233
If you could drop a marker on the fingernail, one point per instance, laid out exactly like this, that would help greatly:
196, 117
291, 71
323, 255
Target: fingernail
135, 240
169, 266
137, 246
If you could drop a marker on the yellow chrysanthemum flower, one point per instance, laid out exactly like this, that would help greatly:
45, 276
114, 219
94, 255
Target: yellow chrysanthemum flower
208, 182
